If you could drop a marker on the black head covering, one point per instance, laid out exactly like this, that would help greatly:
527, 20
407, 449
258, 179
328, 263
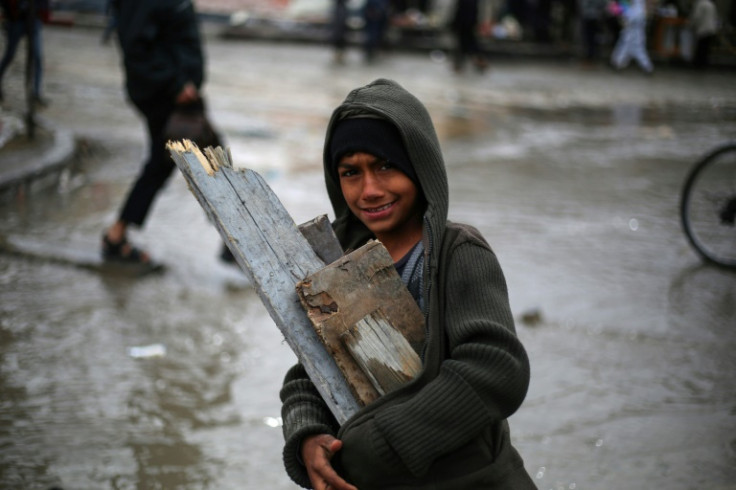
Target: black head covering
371, 135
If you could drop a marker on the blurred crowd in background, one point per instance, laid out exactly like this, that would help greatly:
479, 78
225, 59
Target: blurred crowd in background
670, 27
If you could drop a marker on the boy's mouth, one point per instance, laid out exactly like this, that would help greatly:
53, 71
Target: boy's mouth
378, 209
378, 212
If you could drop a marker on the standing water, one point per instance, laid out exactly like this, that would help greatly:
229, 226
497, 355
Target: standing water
171, 380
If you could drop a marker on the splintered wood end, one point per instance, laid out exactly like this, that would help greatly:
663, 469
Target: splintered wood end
185, 145
218, 157
175, 146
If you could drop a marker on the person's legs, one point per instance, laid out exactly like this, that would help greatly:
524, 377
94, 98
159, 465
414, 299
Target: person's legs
621, 54
475, 51
154, 174
590, 31
14, 31
642, 58
707, 43
37, 60
702, 51
339, 29
640, 51
458, 59
372, 38
375, 15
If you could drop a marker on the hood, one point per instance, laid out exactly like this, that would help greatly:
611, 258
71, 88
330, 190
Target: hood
389, 100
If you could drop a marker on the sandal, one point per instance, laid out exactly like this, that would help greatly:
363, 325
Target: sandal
123, 252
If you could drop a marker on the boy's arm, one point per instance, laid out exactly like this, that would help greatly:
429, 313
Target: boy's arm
304, 413
483, 381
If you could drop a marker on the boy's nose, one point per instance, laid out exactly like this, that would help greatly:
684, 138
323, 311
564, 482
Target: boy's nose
371, 186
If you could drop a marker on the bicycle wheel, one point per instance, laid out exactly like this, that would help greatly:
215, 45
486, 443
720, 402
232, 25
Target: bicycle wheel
708, 206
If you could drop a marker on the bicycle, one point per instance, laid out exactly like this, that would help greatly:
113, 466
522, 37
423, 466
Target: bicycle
708, 206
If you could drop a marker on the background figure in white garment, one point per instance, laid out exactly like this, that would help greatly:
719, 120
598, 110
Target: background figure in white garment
704, 23
632, 43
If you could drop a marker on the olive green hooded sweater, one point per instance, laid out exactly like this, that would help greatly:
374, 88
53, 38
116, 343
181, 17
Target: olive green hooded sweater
447, 428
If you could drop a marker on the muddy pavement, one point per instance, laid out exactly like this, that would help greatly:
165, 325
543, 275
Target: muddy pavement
573, 175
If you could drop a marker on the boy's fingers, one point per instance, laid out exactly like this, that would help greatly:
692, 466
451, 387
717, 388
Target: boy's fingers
333, 447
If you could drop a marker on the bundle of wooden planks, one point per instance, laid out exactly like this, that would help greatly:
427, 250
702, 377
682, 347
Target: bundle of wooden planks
349, 319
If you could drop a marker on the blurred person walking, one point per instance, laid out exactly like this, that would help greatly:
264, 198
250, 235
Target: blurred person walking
470, 19
376, 14
591, 18
703, 21
632, 42
339, 29
164, 69
16, 14
110, 22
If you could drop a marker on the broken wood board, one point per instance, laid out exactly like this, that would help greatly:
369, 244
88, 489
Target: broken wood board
321, 237
383, 354
270, 249
360, 287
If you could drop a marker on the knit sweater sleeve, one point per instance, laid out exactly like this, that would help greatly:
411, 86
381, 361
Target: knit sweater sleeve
483, 380
303, 413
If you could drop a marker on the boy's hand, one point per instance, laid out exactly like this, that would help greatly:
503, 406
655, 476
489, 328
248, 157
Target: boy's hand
317, 451
188, 93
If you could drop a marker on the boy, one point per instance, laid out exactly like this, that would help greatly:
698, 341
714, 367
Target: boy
446, 429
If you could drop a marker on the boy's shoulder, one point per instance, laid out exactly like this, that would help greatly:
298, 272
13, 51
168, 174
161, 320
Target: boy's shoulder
459, 233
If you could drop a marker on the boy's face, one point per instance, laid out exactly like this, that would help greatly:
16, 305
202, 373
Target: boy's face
383, 197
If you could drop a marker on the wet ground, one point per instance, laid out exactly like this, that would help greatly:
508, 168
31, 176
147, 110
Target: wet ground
573, 175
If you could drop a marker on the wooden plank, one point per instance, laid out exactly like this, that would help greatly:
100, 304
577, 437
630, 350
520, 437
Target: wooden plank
384, 355
271, 251
342, 294
322, 238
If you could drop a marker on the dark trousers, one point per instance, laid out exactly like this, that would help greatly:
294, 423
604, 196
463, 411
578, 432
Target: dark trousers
702, 51
374, 30
467, 44
156, 170
15, 30
339, 25
590, 38
375, 15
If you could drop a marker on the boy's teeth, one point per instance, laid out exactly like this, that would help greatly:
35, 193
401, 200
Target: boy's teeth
373, 210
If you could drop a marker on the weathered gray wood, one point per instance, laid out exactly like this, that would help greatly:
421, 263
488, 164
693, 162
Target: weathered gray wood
270, 249
383, 354
321, 237
340, 295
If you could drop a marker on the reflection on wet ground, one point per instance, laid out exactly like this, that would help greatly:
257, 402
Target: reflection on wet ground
631, 351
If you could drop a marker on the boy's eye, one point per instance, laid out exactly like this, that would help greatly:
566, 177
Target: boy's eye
387, 166
347, 172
